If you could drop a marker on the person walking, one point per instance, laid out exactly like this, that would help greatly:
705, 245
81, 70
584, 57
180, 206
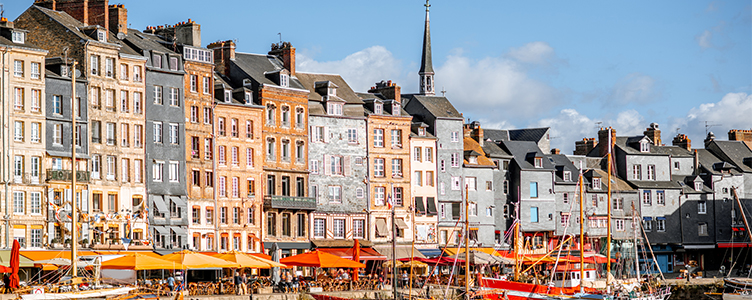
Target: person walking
244, 284
171, 283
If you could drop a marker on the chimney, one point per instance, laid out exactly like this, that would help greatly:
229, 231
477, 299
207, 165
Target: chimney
709, 138
654, 134
473, 130
389, 89
89, 12
682, 140
286, 52
118, 19
603, 140
741, 135
188, 33
555, 151
224, 52
584, 146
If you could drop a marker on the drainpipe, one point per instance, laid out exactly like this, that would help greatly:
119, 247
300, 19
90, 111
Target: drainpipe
214, 172
4, 164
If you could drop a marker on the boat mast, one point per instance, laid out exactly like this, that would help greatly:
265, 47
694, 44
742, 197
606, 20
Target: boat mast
74, 205
582, 232
608, 225
467, 242
517, 241
394, 243
412, 254
635, 225
741, 210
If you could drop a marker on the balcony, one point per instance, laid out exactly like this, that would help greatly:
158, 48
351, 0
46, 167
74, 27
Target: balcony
289, 202
65, 175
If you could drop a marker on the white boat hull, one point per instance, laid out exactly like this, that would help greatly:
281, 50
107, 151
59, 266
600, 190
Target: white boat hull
78, 295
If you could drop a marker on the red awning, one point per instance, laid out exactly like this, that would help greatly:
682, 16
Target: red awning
366, 253
734, 245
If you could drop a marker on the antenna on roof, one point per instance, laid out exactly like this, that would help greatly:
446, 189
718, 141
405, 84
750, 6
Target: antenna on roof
708, 125
2, 10
443, 91
280, 38
598, 125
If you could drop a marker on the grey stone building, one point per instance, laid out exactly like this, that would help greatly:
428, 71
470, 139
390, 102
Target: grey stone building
478, 171
337, 155
165, 141
501, 159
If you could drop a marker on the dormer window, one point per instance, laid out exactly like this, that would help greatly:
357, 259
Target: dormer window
378, 108
246, 82
596, 183
538, 162
644, 146
284, 80
18, 37
395, 109
698, 186
157, 61
332, 91
421, 131
473, 159
228, 96
334, 109
247, 97
64, 71
567, 176
101, 35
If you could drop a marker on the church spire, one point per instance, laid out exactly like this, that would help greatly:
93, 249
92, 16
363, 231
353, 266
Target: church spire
426, 65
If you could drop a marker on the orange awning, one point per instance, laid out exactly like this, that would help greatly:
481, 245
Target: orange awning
248, 261
195, 260
139, 261
262, 255
320, 259
366, 253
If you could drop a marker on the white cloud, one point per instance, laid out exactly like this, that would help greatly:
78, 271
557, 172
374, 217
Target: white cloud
704, 39
634, 88
570, 126
361, 69
534, 53
733, 111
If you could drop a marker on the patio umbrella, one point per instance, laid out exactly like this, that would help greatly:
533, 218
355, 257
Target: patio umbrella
248, 261
275, 257
138, 261
195, 260
320, 259
356, 257
15, 261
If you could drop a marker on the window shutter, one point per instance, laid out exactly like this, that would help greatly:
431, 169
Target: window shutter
326, 134
312, 134
347, 169
327, 168
84, 200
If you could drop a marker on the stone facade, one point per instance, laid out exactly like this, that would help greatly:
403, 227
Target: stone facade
424, 190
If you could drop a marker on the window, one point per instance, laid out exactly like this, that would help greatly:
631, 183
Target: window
236, 187
174, 171
442, 188
619, 223
352, 135
18, 166
137, 106
137, 167
124, 133
111, 167
418, 178
651, 172
194, 114
222, 186
334, 109
596, 183
702, 207
646, 198
472, 209
18, 99
96, 165
251, 185
271, 224
109, 67
174, 134
647, 223
35, 167
637, 172
471, 183
109, 97
57, 104
359, 193
378, 195
196, 215
455, 136
378, 137
251, 217
209, 178
378, 167
123, 72
698, 186
19, 202
338, 228
538, 161
249, 157
249, 129
417, 151
533, 214
209, 215
18, 37
335, 165
124, 105
285, 150
158, 132
206, 89
223, 215
396, 138
442, 166
18, 135
221, 158
397, 195
299, 118
456, 183
156, 61
396, 167
676, 165
319, 228
110, 131
702, 229
137, 73
644, 146
314, 166
18, 68
564, 219
284, 80
489, 185
358, 229
196, 176
618, 203
455, 160
157, 171
429, 154
270, 113
378, 108
533, 189
234, 127
660, 224
660, 197
429, 178
138, 132
157, 95
94, 64
300, 151
236, 215
174, 97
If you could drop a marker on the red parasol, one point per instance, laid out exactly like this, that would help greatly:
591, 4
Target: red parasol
356, 257
15, 260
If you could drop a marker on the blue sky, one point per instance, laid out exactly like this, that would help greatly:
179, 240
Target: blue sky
514, 64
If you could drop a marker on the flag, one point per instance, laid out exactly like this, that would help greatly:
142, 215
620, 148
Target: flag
389, 201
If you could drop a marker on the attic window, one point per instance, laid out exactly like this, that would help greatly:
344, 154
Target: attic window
644, 146
18, 37
332, 91
698, 186
473, 159
247, 97
174, 63
246, 82
596, 183
538, 162
421, 131
567, 176
101, 36
228, 96
157, 61
334, 109
378, 108
64, 71
284, 80
395, 109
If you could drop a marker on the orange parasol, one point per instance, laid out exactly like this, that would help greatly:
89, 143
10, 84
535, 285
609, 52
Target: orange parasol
320, 259
195, 260
356, 257
139, 261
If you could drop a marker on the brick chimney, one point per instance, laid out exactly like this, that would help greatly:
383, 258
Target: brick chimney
584, 146
741, 135
603, 140
224, 52
286, 52
118, 19
389, 89
89, 12
682, 140
473, 130
556, 151
188, 33
654, 134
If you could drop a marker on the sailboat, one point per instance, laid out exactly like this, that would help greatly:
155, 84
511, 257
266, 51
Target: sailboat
741, 288
568, 284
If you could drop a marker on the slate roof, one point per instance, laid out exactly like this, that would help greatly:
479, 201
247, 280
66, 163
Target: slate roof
650, 184
520, 151
627, 144
437, 106
689, 188
493, 150
257, 65
496, 135
561, 161
707, 161
618, 184
473, 148
221, 80
6, 42
144, 41
528, 134
674, 151
735, 152
379, 96
353, 104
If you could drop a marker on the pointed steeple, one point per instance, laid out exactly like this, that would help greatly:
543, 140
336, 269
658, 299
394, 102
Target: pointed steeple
426, 65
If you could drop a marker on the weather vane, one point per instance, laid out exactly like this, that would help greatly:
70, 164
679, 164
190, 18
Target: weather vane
427, 5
